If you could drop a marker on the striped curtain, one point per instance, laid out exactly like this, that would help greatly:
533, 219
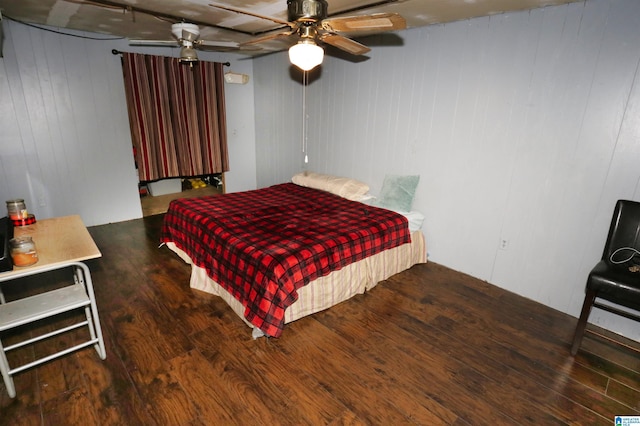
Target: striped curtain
177, 116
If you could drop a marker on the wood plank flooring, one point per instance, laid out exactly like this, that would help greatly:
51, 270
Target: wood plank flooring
429, 346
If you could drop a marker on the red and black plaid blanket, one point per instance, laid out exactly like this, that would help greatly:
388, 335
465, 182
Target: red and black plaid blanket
263, 245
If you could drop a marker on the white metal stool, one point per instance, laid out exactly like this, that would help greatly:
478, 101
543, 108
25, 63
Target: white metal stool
23, 311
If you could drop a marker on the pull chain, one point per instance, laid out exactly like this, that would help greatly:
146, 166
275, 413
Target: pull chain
304, 116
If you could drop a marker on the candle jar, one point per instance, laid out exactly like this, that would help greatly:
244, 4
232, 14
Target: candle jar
23, 251
17, 209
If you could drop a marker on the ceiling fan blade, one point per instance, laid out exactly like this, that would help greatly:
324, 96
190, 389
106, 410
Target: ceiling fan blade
237, 48
216, 48
211, 43
249, 48
374, 22
99, 4
255, 15
153, 43
267, 37
345, 44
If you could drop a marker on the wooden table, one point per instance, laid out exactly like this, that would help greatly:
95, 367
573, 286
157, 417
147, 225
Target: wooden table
62, 242
59, 240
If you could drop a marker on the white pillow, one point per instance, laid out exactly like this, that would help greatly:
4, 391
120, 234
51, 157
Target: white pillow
415, 220
350, 189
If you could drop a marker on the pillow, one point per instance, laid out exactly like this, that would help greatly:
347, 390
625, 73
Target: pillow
415, 220
397, 192
350, 189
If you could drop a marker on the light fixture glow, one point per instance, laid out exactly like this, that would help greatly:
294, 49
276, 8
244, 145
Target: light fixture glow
306, 55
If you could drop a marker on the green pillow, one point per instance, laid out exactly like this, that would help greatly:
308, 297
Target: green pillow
397, 192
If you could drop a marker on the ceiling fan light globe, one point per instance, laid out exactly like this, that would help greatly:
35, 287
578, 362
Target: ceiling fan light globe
306, 55
188, 55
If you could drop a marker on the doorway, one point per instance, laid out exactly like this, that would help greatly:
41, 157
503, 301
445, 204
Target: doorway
191, 188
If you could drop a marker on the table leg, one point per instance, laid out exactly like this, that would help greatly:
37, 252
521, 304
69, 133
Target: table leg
4, 369
83, 277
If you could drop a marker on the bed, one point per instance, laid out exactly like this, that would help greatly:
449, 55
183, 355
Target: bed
280, 253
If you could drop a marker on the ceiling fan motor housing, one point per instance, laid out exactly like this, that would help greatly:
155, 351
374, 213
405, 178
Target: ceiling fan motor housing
185, 31
307, 10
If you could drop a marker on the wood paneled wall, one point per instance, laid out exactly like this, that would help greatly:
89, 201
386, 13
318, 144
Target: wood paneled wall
65, 144
524, 127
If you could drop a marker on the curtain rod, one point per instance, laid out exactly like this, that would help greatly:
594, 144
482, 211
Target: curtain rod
117, 52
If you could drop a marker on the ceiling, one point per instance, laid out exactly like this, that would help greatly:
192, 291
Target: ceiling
152, 19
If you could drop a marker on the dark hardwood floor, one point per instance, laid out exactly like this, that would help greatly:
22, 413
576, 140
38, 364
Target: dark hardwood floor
428, 346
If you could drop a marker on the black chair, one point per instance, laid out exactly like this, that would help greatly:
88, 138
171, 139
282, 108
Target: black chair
615, 280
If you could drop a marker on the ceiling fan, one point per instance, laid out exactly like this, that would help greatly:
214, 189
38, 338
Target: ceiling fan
309, 22
187, 36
